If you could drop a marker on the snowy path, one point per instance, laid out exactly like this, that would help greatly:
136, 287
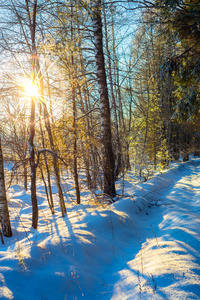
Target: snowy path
168, 264
130, 250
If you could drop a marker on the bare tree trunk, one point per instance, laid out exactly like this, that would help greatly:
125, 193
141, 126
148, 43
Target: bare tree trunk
55, 160
33, 166
73, 80
78, 200
85, 98
4, 214
117, 141
106, 138
32, 120
85, 151
48, 192
25, 176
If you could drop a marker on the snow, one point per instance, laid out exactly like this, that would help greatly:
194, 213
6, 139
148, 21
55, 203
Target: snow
143, 246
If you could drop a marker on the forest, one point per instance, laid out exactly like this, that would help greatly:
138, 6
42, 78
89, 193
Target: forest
91, 90
97, 88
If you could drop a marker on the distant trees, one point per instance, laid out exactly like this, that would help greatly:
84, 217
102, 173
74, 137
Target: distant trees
182, 65
164, 86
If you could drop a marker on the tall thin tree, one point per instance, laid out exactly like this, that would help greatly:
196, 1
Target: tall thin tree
32, 25
4, 214
106, 138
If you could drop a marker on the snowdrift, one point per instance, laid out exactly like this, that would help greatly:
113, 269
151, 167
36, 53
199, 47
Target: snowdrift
143, 246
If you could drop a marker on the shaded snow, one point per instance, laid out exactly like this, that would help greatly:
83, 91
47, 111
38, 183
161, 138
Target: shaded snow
144, 246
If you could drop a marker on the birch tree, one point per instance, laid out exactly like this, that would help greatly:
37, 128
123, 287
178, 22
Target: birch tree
108, 162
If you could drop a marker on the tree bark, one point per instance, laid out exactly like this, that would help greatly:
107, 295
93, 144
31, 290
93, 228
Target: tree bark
32, 120
48, 193
55, 160
73, 80
106, 138
25, 176
4, 214
117, 141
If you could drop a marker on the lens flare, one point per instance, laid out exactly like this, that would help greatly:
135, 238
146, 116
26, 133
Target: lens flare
30, 89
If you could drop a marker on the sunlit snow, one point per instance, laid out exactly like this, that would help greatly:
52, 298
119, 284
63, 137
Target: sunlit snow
144, 246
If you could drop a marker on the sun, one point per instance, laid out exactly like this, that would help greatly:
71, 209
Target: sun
30, 89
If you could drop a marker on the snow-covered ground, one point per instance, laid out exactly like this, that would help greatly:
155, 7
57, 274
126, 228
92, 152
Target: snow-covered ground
144, 246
